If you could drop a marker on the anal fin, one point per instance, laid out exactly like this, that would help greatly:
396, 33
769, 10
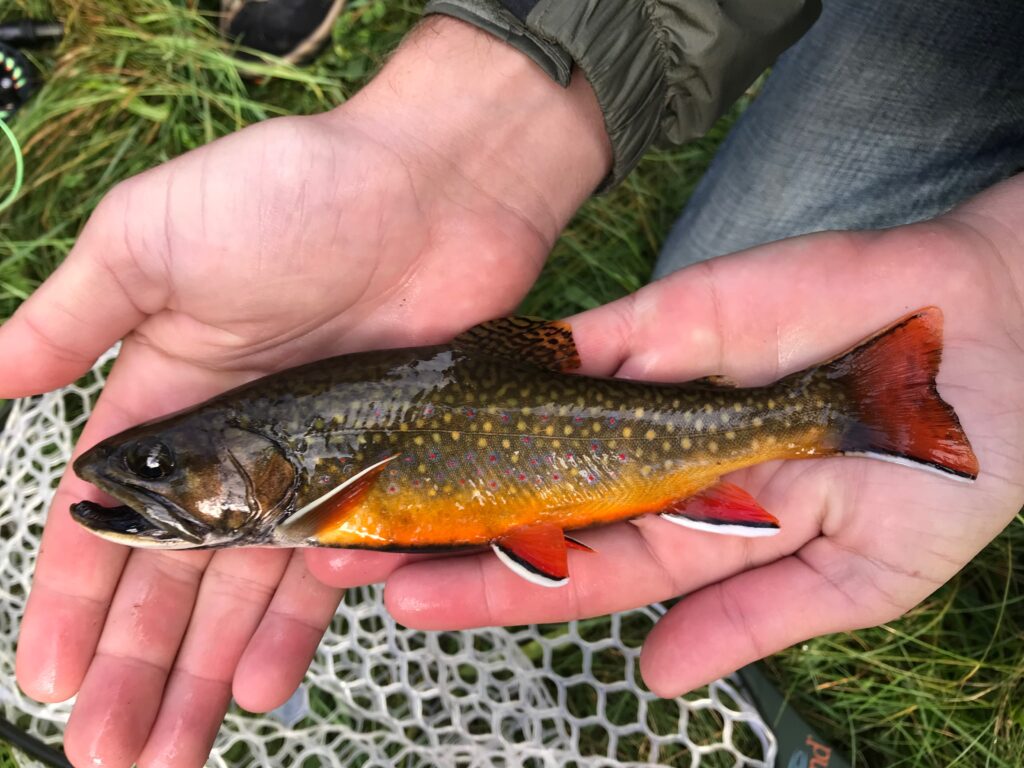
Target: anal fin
723, 508
537, 553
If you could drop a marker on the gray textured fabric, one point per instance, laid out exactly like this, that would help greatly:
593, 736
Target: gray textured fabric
662, 70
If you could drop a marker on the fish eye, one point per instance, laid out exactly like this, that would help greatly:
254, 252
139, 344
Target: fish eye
149, 459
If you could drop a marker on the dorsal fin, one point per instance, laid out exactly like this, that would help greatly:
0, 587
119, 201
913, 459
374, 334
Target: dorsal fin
544, 343
718, 381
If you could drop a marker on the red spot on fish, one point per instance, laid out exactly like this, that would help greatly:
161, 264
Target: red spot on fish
534, 462
522, 476
493, 484
612, 421
544, 417
578, 419
569, 456
453, 463
556, 476
471, 413
492, 458
408, 459
591, 478
416, 483
378, 412
526, 440
432, 455
594, 446
622, 457
392, 489
504, 418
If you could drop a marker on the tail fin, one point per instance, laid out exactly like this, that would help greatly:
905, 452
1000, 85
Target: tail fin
897, 411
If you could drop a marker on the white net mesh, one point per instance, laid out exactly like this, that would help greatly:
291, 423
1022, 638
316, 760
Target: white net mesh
381, 695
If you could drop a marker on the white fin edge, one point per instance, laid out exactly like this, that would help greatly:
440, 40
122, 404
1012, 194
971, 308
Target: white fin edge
334, 491
522, 571
750, 531
910, 463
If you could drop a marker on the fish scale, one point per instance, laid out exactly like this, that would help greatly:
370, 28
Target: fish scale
492, 440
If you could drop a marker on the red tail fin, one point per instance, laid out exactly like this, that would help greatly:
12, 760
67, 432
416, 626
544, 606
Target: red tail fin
897, 410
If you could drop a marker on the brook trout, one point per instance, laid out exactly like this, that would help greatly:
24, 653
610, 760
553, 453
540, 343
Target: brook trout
489, 440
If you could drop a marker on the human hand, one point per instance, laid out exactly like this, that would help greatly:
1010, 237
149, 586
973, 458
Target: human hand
420, 207
862, 541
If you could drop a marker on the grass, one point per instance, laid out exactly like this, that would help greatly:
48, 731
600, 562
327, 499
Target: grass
141, 81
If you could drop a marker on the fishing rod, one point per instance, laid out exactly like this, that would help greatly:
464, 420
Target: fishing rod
32, 746
18, 78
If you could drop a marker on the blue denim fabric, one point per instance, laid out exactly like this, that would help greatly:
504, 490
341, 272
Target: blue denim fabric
885, 113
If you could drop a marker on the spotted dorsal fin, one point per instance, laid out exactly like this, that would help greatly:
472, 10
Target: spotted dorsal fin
717, 381
544, 343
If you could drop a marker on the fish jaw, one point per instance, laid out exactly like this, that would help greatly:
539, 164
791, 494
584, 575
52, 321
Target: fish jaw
144, 519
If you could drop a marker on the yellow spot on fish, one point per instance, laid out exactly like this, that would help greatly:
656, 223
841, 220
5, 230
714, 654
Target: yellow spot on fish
550, 430
361, 440
526, 410
725, 418
456, 435
514, 457
687, 444
645, 471
670, 427
708, 408
481, 443
422, 469
521, 425
771, 404
754, 445
737, 407
488, 426
698, 424
627, 432
649, 434
730, 435
713, 446
596, 426
556, 443
436, 437
819, 403
799, 407
447, 417
506, 444
421, 423
758, 421
666, 446
448, 488
771, 440
418, 439
432, 492
639, 413
669, 463
403, 427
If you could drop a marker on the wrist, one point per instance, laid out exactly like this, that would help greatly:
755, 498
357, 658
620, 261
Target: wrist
454, 101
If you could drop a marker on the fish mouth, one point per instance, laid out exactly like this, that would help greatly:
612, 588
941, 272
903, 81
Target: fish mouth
145, 519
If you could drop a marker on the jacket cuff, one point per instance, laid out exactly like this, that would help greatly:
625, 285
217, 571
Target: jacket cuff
493, 18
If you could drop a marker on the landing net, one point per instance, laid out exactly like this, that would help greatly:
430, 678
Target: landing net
565, 695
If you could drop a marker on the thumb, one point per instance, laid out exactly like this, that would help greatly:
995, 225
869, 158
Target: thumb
93, 299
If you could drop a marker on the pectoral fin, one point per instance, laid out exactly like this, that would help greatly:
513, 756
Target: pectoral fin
311, 521
723, 508
538, 553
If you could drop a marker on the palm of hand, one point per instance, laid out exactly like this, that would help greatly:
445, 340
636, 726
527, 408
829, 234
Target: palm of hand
862, 541
293, 240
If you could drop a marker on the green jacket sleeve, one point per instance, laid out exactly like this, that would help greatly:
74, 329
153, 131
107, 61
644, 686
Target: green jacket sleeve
663, 70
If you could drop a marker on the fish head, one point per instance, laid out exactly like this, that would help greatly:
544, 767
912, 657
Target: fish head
188, 482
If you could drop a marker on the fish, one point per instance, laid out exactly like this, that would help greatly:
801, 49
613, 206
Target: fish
492, 440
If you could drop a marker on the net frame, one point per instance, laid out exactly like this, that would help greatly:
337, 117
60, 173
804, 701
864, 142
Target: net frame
378, 694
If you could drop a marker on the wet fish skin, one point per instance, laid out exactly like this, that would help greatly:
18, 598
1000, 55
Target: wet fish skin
468, 443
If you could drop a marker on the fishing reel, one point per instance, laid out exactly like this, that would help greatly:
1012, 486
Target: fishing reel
18, 78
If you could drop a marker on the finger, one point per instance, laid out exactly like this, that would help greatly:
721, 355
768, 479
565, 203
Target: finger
77, 572
778, 308
93, 299
726, 625
277, 657
347, 568
120, 695
632, 564
236, 588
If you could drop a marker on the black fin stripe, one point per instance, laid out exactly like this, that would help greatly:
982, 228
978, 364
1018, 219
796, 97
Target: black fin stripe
528, 565
719, 521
